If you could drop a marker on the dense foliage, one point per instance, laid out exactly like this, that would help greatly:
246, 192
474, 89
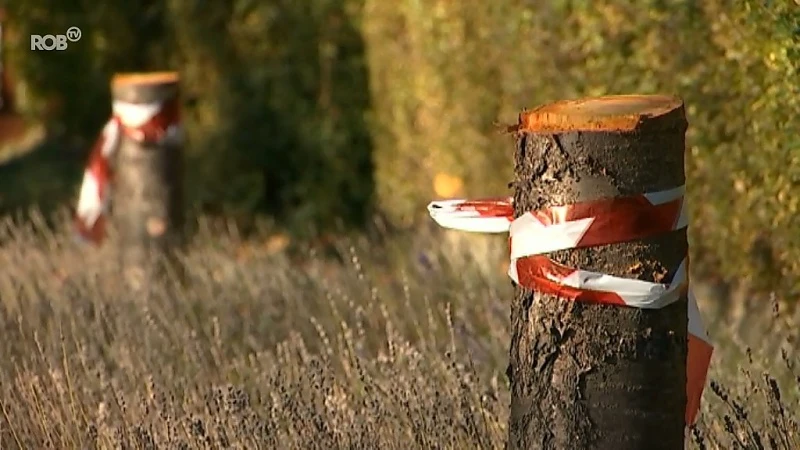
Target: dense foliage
444, 72
289, 102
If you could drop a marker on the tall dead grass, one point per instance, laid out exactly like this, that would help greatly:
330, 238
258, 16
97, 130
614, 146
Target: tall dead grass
395, 345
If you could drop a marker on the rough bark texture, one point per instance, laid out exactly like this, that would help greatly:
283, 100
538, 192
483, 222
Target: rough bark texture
587, 376
148, 199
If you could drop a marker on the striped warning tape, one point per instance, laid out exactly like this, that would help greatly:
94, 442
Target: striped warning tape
583, 225
141, 122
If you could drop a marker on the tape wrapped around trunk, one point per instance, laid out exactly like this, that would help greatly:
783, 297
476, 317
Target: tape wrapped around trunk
142, 122
587, 224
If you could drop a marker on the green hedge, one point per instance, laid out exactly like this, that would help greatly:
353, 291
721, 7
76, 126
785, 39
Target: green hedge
292, 100
444, 72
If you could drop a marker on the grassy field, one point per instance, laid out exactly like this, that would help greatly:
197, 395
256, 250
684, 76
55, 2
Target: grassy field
400, 343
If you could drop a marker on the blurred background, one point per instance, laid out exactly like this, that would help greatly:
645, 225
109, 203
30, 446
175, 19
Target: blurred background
318, 114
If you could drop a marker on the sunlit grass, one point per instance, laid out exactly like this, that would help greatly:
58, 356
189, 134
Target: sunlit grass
397, 345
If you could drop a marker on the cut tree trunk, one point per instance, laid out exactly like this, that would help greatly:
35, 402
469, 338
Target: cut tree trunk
591, 376
148, 210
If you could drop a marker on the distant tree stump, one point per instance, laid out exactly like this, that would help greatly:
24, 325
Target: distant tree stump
592, 376
148, 201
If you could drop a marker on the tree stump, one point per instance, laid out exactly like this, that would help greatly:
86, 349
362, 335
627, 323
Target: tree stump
593, 376
148, 210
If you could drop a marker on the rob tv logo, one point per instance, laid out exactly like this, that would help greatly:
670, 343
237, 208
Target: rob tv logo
51, 42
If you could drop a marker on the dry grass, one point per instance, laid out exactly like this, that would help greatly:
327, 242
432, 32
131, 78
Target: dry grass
380, 348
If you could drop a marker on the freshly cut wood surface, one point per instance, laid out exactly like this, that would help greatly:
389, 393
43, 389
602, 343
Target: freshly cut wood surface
608, 113
145, 78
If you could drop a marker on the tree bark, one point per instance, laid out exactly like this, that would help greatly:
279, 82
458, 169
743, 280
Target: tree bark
148, 206
590, 376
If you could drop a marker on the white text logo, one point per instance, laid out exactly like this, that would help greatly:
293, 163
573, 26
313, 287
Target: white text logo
51, 42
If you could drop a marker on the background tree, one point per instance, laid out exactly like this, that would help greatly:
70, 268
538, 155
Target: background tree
290, 102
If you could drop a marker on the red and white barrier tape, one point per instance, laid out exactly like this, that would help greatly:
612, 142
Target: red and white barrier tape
143, 123
589, 224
